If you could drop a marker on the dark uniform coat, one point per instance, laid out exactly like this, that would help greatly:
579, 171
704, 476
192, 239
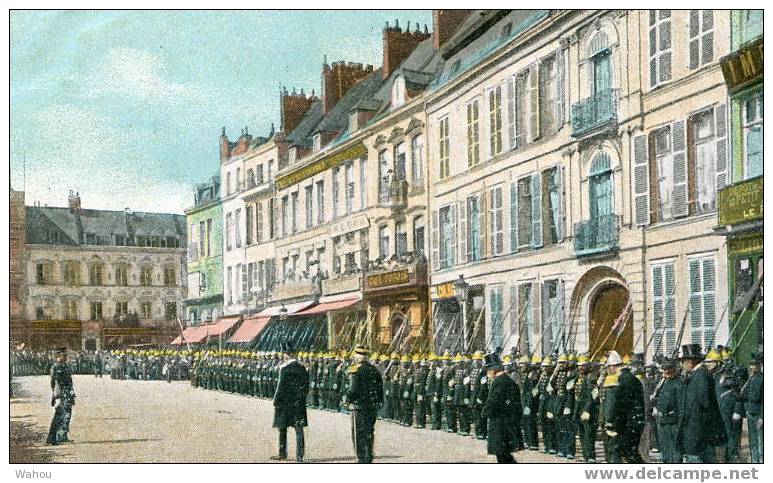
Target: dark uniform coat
503, 410
290, 396
700, 422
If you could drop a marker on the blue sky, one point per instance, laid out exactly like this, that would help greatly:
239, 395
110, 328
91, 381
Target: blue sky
126, 107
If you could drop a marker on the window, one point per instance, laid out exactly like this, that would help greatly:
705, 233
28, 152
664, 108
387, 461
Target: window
496, 218
526, 316
495, 121
294, 198
121, 275
751, 26
524, 209
121, 308
349, 179
600, 186
336, 188
399, 174
259, 174
259, 222
417, 160
474, 235
238, 280
752, 135
473, 134
553, 205
495, 305
702, 300
664, 165
383, 242
383, 176
309, 199
663, 308
170, 310
95, 274
248, 229
238, 228
146, 276
229, 285
71, 273
660, 46
209, 237
418, 234
398, 91
251, 274
447, 236
320, 202
443, 149
363, 183
701, 44
71, 309
238, 185
521, 110
548, 97
552, 315
170, 278
96, 310
285, 214
401, 239
146, 310
44, 272
228, 183
203, 241
228, 230
703, 154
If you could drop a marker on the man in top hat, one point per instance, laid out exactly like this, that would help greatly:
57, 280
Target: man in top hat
625, 420
62, 399
752, 395
700, 423
365, 396
503, 411
666, 405
290, 404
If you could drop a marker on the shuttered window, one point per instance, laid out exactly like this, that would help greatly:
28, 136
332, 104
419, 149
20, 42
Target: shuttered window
496, 220
659, 46
552, 316
447, 236
474, 249
753, 134
663, 308
536, 210
702, 300
664, 166
641, 180
473, 134
497, 322
548, 96
701, 41
524, 203
703, 153
443, 149
552, 201
521, 107
495, 121
525, 317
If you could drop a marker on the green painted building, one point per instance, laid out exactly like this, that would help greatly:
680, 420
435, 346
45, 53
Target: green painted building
741, 201
204, 220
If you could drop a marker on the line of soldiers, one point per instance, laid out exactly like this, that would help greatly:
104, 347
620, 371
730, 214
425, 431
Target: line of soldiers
37, 363
150, 364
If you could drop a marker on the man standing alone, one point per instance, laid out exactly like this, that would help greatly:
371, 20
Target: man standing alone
62, 399
290, 405
503, 411
365, 394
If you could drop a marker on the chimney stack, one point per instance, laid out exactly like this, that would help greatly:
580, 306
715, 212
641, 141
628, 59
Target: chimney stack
338, 78
74, 202
225, 147
445, 23
398, 45
292, 109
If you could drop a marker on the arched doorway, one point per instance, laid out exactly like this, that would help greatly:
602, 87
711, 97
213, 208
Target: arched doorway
606, 307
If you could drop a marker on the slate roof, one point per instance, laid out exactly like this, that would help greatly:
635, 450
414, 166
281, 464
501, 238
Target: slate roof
303, 132
338, 117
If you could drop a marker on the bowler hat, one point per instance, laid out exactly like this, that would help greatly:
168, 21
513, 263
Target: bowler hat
492, 361
691, 351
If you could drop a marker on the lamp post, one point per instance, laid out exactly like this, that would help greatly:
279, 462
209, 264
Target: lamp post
461, 288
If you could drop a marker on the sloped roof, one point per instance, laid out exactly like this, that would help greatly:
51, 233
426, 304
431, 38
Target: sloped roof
303, 132
338, 117
44, 220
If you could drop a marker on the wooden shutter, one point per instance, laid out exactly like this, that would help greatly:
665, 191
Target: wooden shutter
511, 113
514, 329
514, 216
435, 241
454, 233
534, 102
484, 216
679, 152
536, 210
560, 221
463, 231
560, 88
641, 181
536, 313
670, 307
657, 308
546, 320
560, 320
720, 113
694, 45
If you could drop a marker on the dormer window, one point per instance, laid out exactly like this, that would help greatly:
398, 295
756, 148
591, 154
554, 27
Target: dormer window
398, 91
353, 115
317, 142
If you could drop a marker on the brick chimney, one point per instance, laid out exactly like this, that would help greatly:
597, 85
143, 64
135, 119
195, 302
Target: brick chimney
399, 44
74, 202
445, 23
242, 144
338, 78
293, 108
225, 147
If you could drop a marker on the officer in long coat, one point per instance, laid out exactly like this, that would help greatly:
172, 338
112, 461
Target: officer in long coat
752, 397
700, 423
503, 411
290, 405
365, 396
626, 417
62, 399
666, 406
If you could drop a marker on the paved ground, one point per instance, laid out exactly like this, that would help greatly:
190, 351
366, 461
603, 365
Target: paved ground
149, 421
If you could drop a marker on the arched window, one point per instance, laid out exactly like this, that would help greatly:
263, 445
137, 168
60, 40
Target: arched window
250, 178
600, 186
398, 91
599, 56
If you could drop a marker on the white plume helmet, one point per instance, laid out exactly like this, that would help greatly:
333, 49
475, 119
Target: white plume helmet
614, 359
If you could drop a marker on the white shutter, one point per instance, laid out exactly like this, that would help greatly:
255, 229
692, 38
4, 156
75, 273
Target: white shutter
511, 113
514, 329
536, 210
657, 308
533, 102
546, 322
243, 295
463, 231
536, 314
669, 287
434, 236
560, 319
694, 47
560, 221
454, 233
514, 217
641, 180
680, 195
721, 139
560, 87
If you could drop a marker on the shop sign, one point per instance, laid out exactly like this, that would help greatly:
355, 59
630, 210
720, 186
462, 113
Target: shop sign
445, 290
387, 279
743, 67
745, 245
741, 202
321, 166
348, 225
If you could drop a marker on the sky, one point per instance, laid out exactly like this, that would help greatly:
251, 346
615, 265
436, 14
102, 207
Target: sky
126, 107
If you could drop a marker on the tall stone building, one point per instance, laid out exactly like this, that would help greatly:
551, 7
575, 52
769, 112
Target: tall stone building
18, 238
99, 279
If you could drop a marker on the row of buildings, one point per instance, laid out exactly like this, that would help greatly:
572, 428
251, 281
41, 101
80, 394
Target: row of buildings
546, 180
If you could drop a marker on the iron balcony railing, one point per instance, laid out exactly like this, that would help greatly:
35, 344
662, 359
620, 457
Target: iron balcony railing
393, 194
596, 236
599, 110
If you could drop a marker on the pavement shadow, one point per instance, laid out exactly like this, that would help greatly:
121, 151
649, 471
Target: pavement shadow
346, 459
114, 441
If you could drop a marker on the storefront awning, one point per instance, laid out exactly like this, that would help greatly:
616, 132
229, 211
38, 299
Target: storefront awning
291, 309
192, 335
325, 307
250, 329
223, 325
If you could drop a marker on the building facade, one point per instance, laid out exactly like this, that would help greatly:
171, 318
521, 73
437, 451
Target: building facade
204, 300
18, 236
575, 162
99, 279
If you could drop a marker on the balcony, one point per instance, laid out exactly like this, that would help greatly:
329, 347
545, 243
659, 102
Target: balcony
598, 236
596, 113
393, 194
